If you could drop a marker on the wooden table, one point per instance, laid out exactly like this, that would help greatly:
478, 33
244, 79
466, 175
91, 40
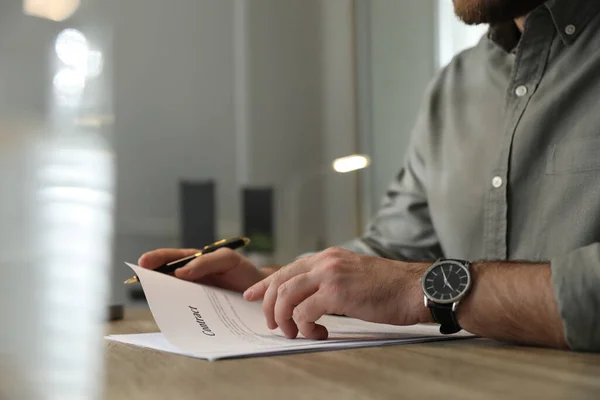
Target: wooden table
471, 369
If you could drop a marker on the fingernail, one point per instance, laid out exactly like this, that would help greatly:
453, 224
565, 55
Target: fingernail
248, 294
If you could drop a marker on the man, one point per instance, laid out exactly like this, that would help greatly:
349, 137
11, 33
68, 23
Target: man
504, 164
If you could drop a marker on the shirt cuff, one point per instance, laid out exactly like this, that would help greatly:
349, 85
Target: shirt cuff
576, 284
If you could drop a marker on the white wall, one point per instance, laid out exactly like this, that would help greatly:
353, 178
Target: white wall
174, 107
285, 139
174, 102
340, 117
253, 92
401, 45
246, 92
301, 114
174, 117
453, 35
25, 75
397, 59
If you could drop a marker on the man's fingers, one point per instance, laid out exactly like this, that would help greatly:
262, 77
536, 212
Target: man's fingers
307, 313
217, 262
268, 306
290, 294
270, 293
259, 290
156, 258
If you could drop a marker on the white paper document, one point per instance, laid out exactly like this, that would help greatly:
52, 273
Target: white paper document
210, 323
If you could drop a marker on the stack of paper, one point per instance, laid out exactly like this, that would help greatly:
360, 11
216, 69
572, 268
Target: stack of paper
210, 323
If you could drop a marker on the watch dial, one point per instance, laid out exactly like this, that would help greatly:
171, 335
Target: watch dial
445, 282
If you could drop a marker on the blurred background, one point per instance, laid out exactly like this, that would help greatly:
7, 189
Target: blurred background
131, 125
224, 116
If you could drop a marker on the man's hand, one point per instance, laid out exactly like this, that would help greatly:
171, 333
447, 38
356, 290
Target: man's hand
338, 281
223, 268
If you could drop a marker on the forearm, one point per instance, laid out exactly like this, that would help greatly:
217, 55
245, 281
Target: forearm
513, 302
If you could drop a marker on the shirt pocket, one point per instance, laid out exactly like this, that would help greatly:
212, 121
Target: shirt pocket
574, 156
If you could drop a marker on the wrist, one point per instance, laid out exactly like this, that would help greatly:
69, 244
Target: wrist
463, 309
421, 311
424, 314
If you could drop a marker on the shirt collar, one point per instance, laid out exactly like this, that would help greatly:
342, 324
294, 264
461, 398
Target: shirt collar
570, 17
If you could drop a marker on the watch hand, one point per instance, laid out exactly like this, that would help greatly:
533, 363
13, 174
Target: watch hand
445, 279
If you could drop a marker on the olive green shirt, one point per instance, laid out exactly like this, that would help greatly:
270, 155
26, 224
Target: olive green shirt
504, 161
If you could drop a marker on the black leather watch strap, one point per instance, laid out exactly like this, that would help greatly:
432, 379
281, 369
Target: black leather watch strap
443, 315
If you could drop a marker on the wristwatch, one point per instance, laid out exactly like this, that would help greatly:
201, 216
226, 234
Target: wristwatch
444, 284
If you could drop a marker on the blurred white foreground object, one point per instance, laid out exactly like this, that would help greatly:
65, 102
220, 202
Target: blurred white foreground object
56, 211
55, 239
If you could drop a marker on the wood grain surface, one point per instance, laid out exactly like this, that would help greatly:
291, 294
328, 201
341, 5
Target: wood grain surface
476, 369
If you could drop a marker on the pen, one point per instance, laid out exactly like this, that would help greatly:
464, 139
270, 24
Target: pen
170, 267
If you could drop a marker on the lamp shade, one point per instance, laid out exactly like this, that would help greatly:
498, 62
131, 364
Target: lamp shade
55, 10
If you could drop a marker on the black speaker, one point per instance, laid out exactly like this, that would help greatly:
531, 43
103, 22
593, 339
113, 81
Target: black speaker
197, 213
258, 219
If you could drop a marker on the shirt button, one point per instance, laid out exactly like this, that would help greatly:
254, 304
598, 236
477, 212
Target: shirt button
521, 90
570, 29
497, 182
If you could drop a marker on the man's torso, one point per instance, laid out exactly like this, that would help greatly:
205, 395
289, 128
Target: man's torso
513, 161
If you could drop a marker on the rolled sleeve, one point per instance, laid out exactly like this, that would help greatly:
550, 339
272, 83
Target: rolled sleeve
355, 245
358, 246
576, 284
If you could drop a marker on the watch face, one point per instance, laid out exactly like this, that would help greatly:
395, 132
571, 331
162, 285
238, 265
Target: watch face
446, 282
